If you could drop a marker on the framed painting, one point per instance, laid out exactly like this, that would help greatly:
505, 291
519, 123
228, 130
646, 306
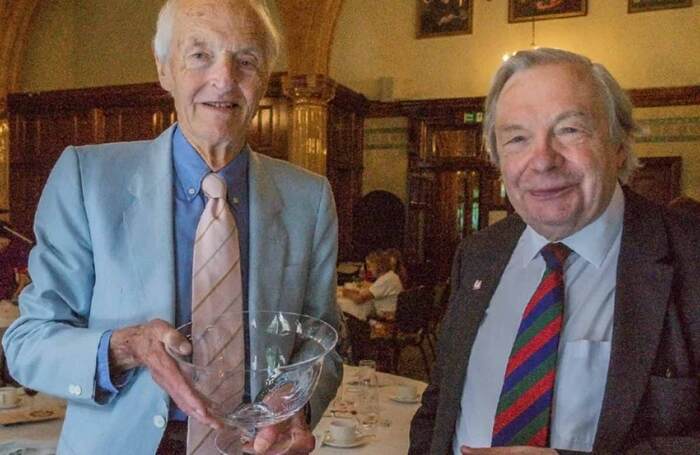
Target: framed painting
639, 6
443, 17
535, 10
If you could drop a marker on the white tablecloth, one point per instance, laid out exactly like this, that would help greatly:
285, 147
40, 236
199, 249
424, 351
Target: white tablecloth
40, 436
389, 440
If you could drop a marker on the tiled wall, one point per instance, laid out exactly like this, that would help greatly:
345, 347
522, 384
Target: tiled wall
673, 131
386, 155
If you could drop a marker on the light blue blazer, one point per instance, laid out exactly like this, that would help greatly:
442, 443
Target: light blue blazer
104, 259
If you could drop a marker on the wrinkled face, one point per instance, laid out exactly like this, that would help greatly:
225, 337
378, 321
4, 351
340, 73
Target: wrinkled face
555, 154
216, 71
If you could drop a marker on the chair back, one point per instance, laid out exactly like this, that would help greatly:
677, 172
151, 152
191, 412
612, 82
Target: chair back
413, 308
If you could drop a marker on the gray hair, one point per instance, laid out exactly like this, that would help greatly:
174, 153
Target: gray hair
166, 21
622, 126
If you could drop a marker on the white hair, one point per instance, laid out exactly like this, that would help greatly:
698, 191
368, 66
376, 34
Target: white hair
166, 22
618, 107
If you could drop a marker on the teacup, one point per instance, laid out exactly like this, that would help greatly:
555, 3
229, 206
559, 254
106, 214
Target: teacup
8, 397
343, 431
406, 392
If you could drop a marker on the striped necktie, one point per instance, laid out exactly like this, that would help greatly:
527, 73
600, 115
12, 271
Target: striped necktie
525, 405
216, 302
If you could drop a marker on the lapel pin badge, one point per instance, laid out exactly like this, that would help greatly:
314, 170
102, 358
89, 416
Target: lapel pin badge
477, 285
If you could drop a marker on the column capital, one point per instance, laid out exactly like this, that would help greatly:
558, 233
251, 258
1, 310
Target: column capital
309, 89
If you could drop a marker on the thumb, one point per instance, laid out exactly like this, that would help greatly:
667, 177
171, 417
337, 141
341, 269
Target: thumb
177, 342
264, 439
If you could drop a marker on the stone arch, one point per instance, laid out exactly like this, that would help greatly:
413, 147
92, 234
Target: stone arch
309, 30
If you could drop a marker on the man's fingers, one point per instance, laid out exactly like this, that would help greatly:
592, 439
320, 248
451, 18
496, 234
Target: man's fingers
177, 342
292, 436
166, 373
265, 438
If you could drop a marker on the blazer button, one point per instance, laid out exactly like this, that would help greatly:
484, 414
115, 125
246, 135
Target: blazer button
74, 389
159, 421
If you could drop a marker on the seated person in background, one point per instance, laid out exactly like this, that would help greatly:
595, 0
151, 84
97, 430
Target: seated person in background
397, 265
383, 291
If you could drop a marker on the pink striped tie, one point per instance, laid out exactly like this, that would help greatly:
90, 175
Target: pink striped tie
217, 301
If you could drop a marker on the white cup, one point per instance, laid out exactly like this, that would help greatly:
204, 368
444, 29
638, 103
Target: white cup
406, 392
8, 397
343, 431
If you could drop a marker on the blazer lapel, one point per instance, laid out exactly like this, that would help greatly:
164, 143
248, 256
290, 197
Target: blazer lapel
644, 276
148, 224
268, 239
486, 260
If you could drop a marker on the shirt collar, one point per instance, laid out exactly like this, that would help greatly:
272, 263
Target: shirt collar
191, 169
593, 242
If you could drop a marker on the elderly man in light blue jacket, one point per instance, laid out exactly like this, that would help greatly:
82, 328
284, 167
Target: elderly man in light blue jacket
112, 265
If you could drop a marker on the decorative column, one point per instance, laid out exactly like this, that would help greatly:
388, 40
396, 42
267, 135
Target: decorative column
15, 19
4, 156
310, 94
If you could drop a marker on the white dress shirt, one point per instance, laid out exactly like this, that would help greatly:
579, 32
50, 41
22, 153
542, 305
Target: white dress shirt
584, 347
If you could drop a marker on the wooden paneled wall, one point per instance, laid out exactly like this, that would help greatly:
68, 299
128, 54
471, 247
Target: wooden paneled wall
43, 124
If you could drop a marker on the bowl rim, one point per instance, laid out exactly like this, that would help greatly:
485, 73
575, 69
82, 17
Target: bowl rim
177, 357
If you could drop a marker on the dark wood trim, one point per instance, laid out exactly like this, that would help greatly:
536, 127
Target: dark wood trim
350, 100
134, 95
76, 99
424, 108
665, 96
644, 97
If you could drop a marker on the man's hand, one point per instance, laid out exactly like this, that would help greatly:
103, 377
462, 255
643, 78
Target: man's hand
275, 439
144, 346
514, 450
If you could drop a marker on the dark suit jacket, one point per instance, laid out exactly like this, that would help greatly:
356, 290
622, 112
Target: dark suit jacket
651, 401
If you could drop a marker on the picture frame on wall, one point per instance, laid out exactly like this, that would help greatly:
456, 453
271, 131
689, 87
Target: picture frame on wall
640, 6
529, 10
443, 17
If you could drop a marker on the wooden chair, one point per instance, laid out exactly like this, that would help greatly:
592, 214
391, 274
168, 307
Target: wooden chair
411, 325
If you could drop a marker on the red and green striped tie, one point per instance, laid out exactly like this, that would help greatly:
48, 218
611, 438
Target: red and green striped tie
525, 405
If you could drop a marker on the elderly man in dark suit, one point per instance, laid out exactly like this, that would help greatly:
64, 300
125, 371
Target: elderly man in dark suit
575, 324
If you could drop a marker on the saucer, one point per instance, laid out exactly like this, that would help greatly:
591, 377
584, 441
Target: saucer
413, 400
329, 441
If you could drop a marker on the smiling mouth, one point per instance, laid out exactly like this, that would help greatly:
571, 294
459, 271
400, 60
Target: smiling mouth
551, 193
221, 105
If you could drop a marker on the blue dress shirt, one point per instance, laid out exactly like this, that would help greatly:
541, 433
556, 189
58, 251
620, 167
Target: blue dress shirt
584, 347
190, 169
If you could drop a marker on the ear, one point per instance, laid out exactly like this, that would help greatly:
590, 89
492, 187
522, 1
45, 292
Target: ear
621, 156
165, 76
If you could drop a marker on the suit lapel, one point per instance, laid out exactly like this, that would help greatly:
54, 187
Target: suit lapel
643, 287
148, 224
482, 266
268, 238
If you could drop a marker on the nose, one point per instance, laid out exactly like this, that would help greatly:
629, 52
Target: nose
224, 73
545, 154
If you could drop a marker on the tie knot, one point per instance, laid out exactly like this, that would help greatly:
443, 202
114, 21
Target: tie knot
214, 187
555, 255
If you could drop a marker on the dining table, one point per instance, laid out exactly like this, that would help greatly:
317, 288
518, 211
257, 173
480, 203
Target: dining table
391, 434
389, 437
33, 427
